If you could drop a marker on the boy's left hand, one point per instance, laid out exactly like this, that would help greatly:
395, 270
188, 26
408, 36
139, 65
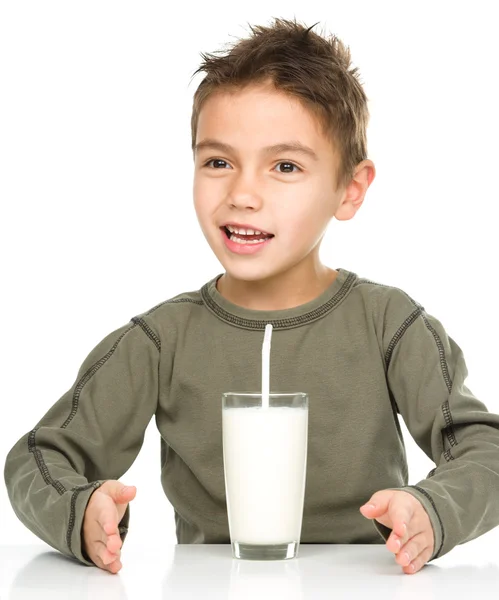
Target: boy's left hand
411, 539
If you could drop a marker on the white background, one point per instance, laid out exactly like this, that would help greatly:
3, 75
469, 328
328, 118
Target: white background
96, 185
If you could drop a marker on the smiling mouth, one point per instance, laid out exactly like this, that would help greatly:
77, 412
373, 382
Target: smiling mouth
245, 238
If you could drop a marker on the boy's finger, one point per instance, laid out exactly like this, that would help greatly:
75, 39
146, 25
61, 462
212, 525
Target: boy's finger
102, 549
395, 542
377, 505
106, 557
114, 543
102, 557
115, 566
108, 520
413, 548
401, 513
419, 562
401, 518
98, 532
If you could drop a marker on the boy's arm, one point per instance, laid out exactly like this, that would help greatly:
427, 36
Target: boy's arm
426, 372
91, 434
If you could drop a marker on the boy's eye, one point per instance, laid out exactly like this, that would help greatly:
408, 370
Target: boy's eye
287, 167
217, 163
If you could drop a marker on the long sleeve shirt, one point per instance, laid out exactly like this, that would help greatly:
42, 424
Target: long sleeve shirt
363, 352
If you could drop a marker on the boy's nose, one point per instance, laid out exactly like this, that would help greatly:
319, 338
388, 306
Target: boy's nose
245, 201
244, 196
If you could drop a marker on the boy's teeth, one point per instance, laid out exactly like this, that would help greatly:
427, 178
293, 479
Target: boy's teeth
234, 238
242, 231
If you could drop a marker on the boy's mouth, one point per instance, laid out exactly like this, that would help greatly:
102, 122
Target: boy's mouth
243, 235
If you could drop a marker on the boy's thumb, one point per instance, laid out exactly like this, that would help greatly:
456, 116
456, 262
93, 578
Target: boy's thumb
122, 493
128, 490
377, 505
369, 510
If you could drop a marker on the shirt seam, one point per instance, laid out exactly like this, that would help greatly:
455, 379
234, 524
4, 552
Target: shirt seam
287, 323
148, 331
173, 301
89, 374
448, 431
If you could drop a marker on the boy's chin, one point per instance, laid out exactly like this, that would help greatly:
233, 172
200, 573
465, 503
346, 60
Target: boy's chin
249, 274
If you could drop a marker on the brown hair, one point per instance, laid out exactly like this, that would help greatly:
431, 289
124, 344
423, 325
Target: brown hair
299, 62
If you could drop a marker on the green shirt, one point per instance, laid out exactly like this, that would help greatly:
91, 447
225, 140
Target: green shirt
363, 352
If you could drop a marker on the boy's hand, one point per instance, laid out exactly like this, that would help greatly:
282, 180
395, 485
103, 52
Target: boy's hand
101, 540
411, 539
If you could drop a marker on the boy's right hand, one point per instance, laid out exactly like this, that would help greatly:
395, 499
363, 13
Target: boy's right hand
101, 540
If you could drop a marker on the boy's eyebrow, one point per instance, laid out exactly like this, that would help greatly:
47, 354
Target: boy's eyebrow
293, 146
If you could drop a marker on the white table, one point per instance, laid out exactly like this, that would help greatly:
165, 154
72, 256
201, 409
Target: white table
209, 572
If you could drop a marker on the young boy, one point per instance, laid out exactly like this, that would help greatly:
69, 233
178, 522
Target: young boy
279, 142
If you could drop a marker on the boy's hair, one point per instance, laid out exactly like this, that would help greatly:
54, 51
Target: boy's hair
303, 64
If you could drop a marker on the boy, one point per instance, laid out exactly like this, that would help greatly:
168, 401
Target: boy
279, 141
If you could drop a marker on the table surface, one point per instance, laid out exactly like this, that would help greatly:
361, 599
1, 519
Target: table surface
208, 571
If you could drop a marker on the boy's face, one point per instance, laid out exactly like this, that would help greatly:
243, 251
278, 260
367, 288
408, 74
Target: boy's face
246, 176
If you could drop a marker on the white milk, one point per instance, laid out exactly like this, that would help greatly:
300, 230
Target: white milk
265, 457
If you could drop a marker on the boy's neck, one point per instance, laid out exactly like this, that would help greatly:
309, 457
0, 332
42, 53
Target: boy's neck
284, 291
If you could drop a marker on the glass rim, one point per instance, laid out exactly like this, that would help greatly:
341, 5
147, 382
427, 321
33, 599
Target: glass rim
259, 394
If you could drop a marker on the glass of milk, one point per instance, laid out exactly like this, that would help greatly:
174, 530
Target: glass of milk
265, 459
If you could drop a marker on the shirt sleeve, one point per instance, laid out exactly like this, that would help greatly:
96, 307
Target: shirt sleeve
91, 434
426, 374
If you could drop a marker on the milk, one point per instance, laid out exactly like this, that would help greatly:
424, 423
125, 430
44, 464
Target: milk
265, 456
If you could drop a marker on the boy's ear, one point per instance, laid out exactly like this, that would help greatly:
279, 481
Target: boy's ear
354, 193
